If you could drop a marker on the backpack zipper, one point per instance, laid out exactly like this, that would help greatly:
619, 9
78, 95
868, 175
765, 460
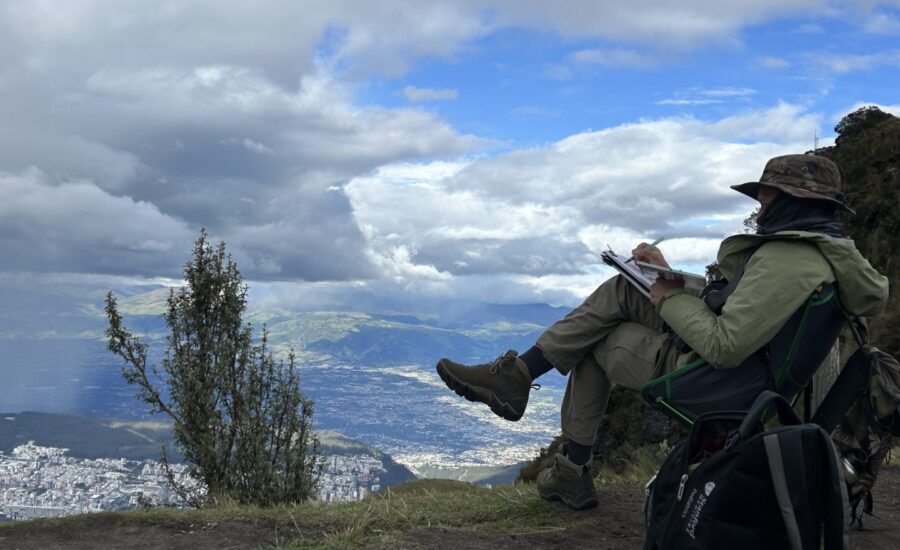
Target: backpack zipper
681, 485
674, 509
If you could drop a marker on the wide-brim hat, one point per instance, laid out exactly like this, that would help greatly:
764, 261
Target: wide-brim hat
804, 176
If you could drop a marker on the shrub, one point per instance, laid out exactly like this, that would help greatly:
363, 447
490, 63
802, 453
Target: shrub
239, 417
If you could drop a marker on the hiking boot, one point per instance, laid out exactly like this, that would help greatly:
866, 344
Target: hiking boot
502, 384
568, 482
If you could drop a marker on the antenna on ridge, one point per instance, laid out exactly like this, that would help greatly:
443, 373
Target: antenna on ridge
816, 140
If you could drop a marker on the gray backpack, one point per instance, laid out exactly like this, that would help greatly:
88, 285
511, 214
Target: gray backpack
869, 385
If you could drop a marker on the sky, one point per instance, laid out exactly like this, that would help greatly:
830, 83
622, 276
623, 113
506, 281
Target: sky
479, 149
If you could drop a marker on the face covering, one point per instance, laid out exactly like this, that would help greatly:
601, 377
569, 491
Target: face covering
789, 213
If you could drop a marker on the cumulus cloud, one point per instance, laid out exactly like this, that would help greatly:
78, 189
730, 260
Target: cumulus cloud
77, 226
227, 146
146, 120
544, 214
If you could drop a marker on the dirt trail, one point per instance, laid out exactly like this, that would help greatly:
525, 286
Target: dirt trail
616, 524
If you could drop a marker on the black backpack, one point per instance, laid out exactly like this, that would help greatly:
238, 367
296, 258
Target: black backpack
733, 484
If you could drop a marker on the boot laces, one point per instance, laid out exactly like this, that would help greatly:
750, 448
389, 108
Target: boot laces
505, 361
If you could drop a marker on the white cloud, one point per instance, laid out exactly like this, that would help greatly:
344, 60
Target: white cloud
882, 23
892, 109
685, 24
727, 92
415, 94
688, 101
847, 63
285, 40
611, 58
777, 63
397, 265
543, 214
785, 123
256, 146
707, 96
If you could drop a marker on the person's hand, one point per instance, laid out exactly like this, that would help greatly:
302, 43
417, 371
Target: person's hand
661, 286
649, 255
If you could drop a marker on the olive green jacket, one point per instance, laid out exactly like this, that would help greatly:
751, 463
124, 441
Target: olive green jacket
780, 275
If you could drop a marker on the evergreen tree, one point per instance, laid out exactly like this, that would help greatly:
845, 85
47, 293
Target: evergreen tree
239, 417
867, 151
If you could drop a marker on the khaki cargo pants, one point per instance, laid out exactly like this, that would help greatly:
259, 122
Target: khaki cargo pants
614, 337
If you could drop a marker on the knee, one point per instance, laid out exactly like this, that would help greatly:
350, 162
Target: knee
607, 292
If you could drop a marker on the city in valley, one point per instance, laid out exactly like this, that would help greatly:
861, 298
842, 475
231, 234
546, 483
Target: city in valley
38, 481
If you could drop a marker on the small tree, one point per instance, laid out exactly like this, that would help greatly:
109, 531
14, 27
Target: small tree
751, 223
239, 416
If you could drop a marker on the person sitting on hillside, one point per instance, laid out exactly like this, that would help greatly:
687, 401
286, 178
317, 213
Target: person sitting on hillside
618, 336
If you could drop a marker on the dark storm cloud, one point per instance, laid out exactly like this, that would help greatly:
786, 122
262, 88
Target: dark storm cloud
536, 256
126, 130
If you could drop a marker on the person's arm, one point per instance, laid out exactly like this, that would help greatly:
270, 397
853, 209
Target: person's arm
779, 277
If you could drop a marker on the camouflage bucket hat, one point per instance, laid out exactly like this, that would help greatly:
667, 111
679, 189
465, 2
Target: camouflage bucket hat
804, 176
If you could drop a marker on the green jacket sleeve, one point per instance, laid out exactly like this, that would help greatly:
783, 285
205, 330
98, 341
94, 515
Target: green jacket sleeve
779, 277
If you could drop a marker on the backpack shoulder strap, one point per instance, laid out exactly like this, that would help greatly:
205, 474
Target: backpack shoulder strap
783, 451
851, 383
780, 484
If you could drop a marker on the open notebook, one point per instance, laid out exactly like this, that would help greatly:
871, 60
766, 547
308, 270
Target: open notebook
642, 275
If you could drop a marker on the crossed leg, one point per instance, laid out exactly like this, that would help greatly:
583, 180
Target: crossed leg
614, 337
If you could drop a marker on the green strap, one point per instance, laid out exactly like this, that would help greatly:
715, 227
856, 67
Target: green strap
662, 402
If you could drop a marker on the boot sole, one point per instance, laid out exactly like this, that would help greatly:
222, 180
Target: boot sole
590, 502
477, 394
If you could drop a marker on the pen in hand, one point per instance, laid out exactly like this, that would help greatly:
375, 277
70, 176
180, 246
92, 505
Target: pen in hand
654, 243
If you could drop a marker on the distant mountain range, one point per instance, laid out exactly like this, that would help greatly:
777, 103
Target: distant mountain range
468, 330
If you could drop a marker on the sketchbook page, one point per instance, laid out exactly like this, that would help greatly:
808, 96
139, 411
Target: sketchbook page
653, 271
631, 272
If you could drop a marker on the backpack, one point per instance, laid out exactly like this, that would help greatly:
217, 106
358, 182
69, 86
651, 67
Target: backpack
863, 436
735, 484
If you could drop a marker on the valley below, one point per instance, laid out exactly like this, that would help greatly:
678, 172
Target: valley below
371, 377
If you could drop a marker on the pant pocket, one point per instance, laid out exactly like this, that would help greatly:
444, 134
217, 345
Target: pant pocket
630, 355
